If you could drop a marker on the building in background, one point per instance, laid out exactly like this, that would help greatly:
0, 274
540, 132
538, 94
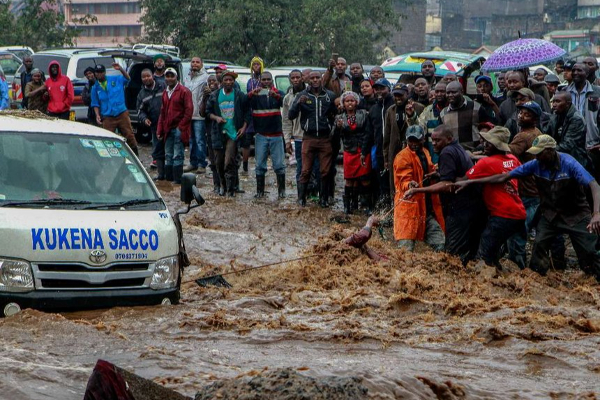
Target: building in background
411, 36
118, 21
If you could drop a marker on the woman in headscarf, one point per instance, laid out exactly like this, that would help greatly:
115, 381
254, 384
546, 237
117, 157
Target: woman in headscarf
4, 102
351, 126
36, 92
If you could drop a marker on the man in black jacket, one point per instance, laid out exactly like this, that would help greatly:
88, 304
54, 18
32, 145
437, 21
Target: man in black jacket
567, 127
316, 108
26, 77
86, 95
374, 137
149, 102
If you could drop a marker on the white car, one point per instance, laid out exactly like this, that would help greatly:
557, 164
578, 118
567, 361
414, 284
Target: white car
73, 62
83, 225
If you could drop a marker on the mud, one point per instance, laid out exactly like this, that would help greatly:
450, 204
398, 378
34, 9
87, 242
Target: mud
418, 326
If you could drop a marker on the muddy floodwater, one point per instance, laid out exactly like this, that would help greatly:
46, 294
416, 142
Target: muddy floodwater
419, 326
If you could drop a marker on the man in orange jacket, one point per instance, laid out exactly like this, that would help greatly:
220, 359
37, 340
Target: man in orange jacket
419, 218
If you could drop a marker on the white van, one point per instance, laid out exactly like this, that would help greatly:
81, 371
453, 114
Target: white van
81, 223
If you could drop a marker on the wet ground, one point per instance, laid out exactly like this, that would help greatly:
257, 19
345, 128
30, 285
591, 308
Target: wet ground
335, 325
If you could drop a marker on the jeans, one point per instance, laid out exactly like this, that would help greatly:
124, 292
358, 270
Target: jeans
158, 146
496, 233
174, 148
517, 243
434, 236
198, 144
583, 242
265, 145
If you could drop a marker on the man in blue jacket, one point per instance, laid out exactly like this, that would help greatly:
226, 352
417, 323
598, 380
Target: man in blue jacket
266, 102
108, 100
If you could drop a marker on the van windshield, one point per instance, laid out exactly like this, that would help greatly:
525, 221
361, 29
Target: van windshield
71, 171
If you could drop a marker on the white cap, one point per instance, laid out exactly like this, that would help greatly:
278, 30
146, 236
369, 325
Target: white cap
171, 70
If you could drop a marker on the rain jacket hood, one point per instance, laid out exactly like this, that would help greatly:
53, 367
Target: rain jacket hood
59, 75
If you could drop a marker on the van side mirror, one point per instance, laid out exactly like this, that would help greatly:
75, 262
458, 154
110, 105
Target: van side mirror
189, 191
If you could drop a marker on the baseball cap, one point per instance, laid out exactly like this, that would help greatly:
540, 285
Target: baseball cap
524, 92
221, 66
157, 56
542, 143
551, 78
533, 107
415, 131
569, 64
399, 88
498, 136
100, 68
483, 78
382, 82
171, 70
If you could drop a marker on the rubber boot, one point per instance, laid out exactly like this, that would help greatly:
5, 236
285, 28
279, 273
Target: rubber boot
237, 183
160, 167
169, 173
354, 199
324, 193
260, 186
230, 186
177, 172
302, 192
281, 186
216, 181
347, 198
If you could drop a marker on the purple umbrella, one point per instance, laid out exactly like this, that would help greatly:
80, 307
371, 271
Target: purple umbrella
522, 53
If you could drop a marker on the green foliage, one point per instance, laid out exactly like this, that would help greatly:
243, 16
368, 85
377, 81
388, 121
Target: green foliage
40, 25
280, 31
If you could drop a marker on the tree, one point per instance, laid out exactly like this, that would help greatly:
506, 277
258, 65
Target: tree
280, 31
39, 24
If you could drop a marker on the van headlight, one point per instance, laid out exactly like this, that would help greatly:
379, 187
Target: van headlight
15, 276
166, 273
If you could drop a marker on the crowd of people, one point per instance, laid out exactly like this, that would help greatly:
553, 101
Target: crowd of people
473, 174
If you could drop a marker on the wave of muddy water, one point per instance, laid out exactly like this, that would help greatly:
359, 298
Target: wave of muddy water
419, 326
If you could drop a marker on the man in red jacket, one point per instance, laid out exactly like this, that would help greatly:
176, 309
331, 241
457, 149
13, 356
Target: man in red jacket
61, 92
174, 124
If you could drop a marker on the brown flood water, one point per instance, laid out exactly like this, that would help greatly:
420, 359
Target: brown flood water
417, 327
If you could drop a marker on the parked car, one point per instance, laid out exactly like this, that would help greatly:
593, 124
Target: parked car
10, 63
72, 63
466, 66
19, 51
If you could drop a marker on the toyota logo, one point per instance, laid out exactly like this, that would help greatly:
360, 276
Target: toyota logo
97, 256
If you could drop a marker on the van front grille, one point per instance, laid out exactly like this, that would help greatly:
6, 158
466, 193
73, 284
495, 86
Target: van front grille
76, 284
84, 268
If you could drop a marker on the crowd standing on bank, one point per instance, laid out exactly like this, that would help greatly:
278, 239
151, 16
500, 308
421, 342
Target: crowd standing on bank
472, 174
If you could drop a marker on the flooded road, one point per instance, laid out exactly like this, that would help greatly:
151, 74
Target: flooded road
417, 327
